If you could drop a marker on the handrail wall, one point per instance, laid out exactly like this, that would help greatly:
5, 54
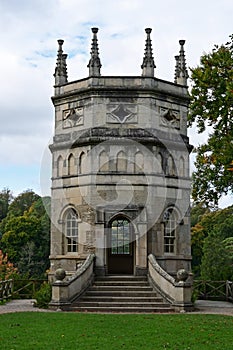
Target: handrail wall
176, 293
65, 292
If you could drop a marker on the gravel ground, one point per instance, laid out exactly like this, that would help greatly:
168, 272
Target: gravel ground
202, 307
20, 306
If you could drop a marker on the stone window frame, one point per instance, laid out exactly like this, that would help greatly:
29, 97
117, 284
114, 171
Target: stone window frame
170, 230
71, 231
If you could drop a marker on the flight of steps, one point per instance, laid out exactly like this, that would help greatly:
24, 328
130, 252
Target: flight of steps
129, 294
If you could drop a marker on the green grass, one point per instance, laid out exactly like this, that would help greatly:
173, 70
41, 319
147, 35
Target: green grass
73, 331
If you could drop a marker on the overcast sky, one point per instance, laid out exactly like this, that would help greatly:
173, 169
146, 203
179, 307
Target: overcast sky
28, 39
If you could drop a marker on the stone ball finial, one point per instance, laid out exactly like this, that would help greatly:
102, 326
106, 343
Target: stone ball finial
94, 30
182, 275
148, 30
60, 274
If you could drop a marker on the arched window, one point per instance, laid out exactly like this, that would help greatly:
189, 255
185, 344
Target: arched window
170, 227
71, 227
59, 166
71, 165
138, 162
121, 162
103, 161
82, 159
181, 167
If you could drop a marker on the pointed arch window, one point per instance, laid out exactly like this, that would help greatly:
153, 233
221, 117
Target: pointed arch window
170, 170
71, 165
139, 162
59, 166
160, 163
182, 167
121, 162
82, 159
71, 227
170, 227
103, 161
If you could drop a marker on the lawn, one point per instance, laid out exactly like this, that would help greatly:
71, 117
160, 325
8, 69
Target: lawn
73, 331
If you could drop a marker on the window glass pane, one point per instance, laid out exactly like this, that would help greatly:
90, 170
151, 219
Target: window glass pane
72, 232
169, 230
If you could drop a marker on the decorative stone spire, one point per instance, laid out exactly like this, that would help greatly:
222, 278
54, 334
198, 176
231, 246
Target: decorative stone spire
60, 74
148, 64
94, 64
181, 73
177, 68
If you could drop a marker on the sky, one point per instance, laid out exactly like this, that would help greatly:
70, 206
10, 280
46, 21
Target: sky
28, 40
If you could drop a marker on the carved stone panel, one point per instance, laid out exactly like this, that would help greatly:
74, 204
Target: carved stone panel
121, 113
169, 117
73, 117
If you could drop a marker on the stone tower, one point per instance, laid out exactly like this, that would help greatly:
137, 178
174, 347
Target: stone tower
120, 178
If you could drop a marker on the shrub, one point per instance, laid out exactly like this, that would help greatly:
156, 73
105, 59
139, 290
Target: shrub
43, 295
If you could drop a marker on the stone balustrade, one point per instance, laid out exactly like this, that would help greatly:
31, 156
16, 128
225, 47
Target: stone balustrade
66, 291
176, 292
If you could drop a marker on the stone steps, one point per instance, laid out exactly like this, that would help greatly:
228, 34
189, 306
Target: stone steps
120, 294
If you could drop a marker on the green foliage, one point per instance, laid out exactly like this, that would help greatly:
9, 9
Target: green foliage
212, 245
26, 233
212, 106
22, 203
197, 211
5, 199
43, 295
216, 262
37, 330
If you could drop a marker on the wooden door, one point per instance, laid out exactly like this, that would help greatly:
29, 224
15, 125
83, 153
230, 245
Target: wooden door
121, 247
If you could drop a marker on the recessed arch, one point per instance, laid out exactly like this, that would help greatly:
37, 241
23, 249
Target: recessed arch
181, 167
59, 166
159, 163
82, 159
71, 164
103, 161
121, 161
170, 169
138, 162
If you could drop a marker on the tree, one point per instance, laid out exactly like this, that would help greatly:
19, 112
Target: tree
217, 260
22, 203
26, 233
211, 108
212, 238
5, 199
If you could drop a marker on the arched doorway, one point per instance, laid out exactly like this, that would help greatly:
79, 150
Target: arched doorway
121, 246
